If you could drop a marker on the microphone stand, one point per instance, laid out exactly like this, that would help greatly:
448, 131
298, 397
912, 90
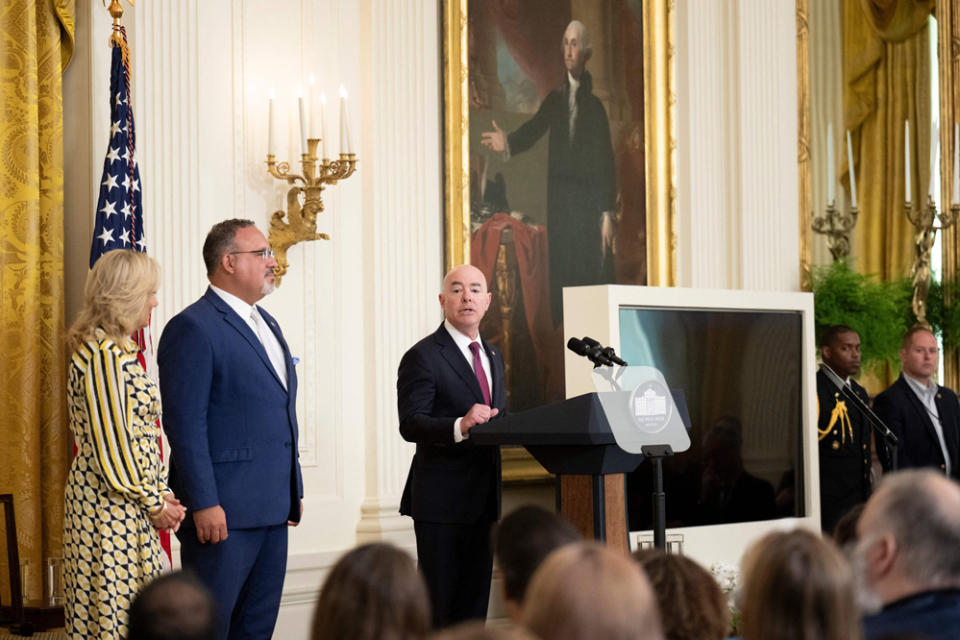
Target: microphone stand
878, 425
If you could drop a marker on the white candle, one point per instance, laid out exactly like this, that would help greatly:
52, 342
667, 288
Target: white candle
303, 121
956, 165
323, 126
344, 126
934, 155
906, 157
831, 196
853, 175
314, 105
271, 124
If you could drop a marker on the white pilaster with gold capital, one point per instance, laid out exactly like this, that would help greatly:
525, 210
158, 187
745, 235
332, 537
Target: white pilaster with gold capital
404, 269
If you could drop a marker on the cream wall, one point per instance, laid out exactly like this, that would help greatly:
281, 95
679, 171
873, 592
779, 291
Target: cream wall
351, 306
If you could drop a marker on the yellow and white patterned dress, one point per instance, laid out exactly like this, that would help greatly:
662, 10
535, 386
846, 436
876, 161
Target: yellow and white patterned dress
110, 549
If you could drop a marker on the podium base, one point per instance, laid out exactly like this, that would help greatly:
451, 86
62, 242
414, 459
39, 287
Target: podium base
597, 509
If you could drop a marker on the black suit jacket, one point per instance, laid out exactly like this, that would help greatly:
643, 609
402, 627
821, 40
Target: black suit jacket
448, 482
906, 416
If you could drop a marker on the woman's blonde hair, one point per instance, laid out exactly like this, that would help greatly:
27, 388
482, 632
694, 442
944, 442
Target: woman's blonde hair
114, 296
797, 586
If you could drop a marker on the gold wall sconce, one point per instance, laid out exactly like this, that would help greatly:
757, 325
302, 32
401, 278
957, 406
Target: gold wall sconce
305, 196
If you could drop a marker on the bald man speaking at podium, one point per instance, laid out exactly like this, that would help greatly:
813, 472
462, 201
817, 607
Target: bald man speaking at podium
447, 383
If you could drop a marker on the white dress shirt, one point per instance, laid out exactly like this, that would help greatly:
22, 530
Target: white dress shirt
574, 86
928, 398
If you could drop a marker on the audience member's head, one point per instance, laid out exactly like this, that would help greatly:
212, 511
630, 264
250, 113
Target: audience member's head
520, 543
584, 591
908, 537
479, 631
175, 606
692, 606
845, 531
797, 585
373, 592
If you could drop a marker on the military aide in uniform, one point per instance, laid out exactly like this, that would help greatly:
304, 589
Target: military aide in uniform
844, 434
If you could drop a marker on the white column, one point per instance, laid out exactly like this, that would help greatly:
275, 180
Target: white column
769, 180
403, 179
707, 159
164, 46
737, 145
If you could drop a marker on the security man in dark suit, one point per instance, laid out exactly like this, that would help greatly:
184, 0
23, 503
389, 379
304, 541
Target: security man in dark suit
923, 415
447, 383
845, 436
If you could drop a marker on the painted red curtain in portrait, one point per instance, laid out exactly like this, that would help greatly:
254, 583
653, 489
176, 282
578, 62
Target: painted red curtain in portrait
530, 244
532, 31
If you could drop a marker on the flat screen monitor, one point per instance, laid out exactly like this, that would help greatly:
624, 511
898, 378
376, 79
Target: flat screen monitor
739, 373
743, 362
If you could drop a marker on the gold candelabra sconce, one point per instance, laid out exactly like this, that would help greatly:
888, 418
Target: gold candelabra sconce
924, 220
299, 222
837, 226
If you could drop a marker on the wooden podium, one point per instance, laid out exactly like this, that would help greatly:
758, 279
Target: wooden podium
572, 439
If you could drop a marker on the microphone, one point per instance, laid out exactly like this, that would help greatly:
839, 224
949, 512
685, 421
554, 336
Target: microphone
608, 352
613, 357
592, 353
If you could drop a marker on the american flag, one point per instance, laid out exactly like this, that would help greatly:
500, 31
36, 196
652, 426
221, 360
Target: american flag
119, 222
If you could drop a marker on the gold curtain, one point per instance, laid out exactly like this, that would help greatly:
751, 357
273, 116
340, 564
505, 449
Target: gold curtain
886, 71
37, 42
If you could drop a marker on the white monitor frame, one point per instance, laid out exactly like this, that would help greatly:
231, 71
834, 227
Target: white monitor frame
595, 311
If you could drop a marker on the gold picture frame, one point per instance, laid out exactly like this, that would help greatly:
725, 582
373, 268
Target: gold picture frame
659, 101
660, 137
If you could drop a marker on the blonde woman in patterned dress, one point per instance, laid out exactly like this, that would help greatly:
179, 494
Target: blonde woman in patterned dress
116, 496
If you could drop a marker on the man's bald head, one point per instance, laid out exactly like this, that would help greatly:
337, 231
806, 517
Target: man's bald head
909, 534
465, 298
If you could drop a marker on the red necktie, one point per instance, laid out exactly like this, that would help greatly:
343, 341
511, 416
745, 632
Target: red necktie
478, 369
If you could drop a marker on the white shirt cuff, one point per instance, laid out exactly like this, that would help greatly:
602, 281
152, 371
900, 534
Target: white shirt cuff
457, 436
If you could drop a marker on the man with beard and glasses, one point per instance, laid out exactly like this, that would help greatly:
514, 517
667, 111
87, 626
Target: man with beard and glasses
229, 392
846, 439
907, 557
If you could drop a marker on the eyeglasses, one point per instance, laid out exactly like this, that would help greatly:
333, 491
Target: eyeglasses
264, 254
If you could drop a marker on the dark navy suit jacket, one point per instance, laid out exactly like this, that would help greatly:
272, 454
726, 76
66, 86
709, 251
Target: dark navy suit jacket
448, 482
232, 426
934, 615
906, 416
